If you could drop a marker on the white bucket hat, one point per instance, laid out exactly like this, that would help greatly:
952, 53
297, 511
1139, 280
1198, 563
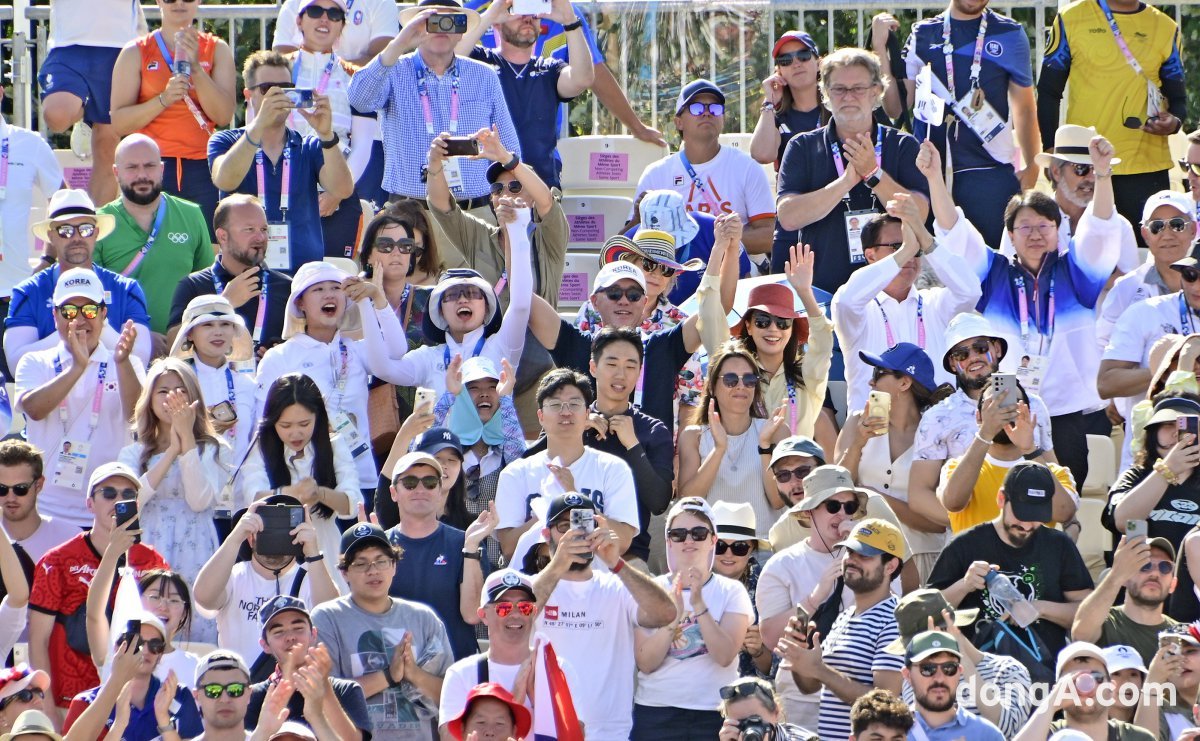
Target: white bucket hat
965, 326
210, 308
310, 274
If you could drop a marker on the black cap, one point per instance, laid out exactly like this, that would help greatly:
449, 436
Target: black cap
362, 535
1029, 488
564, 503
436, 439
281, 603
494, 171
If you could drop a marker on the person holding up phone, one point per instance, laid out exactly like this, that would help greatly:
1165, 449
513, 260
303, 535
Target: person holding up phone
416, 94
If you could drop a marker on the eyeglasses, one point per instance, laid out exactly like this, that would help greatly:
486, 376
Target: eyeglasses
504, 609
648, 265
833, 506
879, 373
111, 492
404, 245
66, 231
429, 482
337, 15
18, 489
158, 599
893, 246
22, 696
785, 60
457, 293
266, 87
784, 475
70, 311
680, 534
514, 187
1177, 224
949, 668
698, 109
1190, 167
841, 91
739, 547
1189, 275
574, 406
979, 347
1164, 567
633, 294
749, 380
366, 567
233, 689
762, 321
1042, 229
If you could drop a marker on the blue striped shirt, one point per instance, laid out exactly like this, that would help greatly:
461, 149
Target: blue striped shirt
393, 92
854, 648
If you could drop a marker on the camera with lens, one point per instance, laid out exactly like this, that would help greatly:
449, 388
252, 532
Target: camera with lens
446, 23
754, 728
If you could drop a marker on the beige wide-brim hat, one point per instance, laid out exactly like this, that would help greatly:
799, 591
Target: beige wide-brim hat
473, 19
206, 309
70, 203
1071, 145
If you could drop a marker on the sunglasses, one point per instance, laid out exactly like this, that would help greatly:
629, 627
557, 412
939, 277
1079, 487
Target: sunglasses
514, 187
1190, 167
1164, 567
784, 475
633, 294
1189, 275
731, 380
949, 668
890, 245
879, 373
405, 246
233, 689
979, 347
429, 482
22, 696
648, 265
66, 231
742, 689
698, 109
457, 293
680, 534
785, 60
504, 609
155, 646
111, 492
18, 489
762, 321
337, 15
70, 311
266, 87
833, 507
739, 547
1177, 224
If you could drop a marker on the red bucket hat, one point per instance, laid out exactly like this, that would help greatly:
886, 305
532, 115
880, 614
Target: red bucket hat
776, 299
521, 715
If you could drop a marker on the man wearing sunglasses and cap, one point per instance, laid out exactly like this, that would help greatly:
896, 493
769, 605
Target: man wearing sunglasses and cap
711, 178
222, 692
57, 643
934, 670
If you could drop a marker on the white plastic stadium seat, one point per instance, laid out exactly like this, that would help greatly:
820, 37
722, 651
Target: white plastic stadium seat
1094, 540
1102, 467
740, 142
603, 164
579, 270
593, 219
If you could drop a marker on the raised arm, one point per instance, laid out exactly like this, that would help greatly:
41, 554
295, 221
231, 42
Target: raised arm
711, 323
1128, 559
520, 272
579, 75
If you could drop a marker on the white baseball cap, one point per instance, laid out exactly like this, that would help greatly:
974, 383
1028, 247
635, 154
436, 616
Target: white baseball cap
1181, 202
613, 272
1120, 657
78, 282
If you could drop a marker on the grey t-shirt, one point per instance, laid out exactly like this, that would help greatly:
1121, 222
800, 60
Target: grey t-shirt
362, 642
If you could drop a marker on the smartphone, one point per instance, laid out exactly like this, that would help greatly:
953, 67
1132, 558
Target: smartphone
127, 510
879, 404
585, 520
1175, 645
279, 520
1134, 528
133, 633
368, 272
803, 618
530, 7
1005, 384
1189, 424
461, 146
300, 97
424, 399
223, 412
446, 23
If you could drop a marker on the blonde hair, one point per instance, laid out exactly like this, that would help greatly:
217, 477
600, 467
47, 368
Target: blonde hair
852, 57
150, 432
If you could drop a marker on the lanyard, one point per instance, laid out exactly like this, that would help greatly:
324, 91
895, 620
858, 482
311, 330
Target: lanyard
341, 376
478, 349
840, 165
145, 250
423, 91
637, 391
260, 318
1023, 311
1186, 325
887, 325
229, 385
401, 308
284, 182
323, 82
4, 168
713, 206
793, 415
1120, 39
187, 99
976, 58
96, 399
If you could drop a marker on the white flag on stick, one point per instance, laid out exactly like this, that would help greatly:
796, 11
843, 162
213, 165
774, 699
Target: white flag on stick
928, 106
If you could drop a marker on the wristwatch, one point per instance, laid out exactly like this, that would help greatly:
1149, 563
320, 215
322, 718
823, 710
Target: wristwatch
577, 23
169, 726
872, 180
331, 143
475, 555
314, 559
1034, 454
767, 450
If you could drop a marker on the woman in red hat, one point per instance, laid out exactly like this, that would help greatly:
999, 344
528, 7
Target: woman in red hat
791, 104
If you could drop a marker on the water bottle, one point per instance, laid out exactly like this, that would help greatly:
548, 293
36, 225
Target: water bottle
1001, 589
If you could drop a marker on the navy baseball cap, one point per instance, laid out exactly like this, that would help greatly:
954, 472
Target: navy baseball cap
564, 503
436, 439
800, 36
362, 535
697, 87
905, 358
281, 603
